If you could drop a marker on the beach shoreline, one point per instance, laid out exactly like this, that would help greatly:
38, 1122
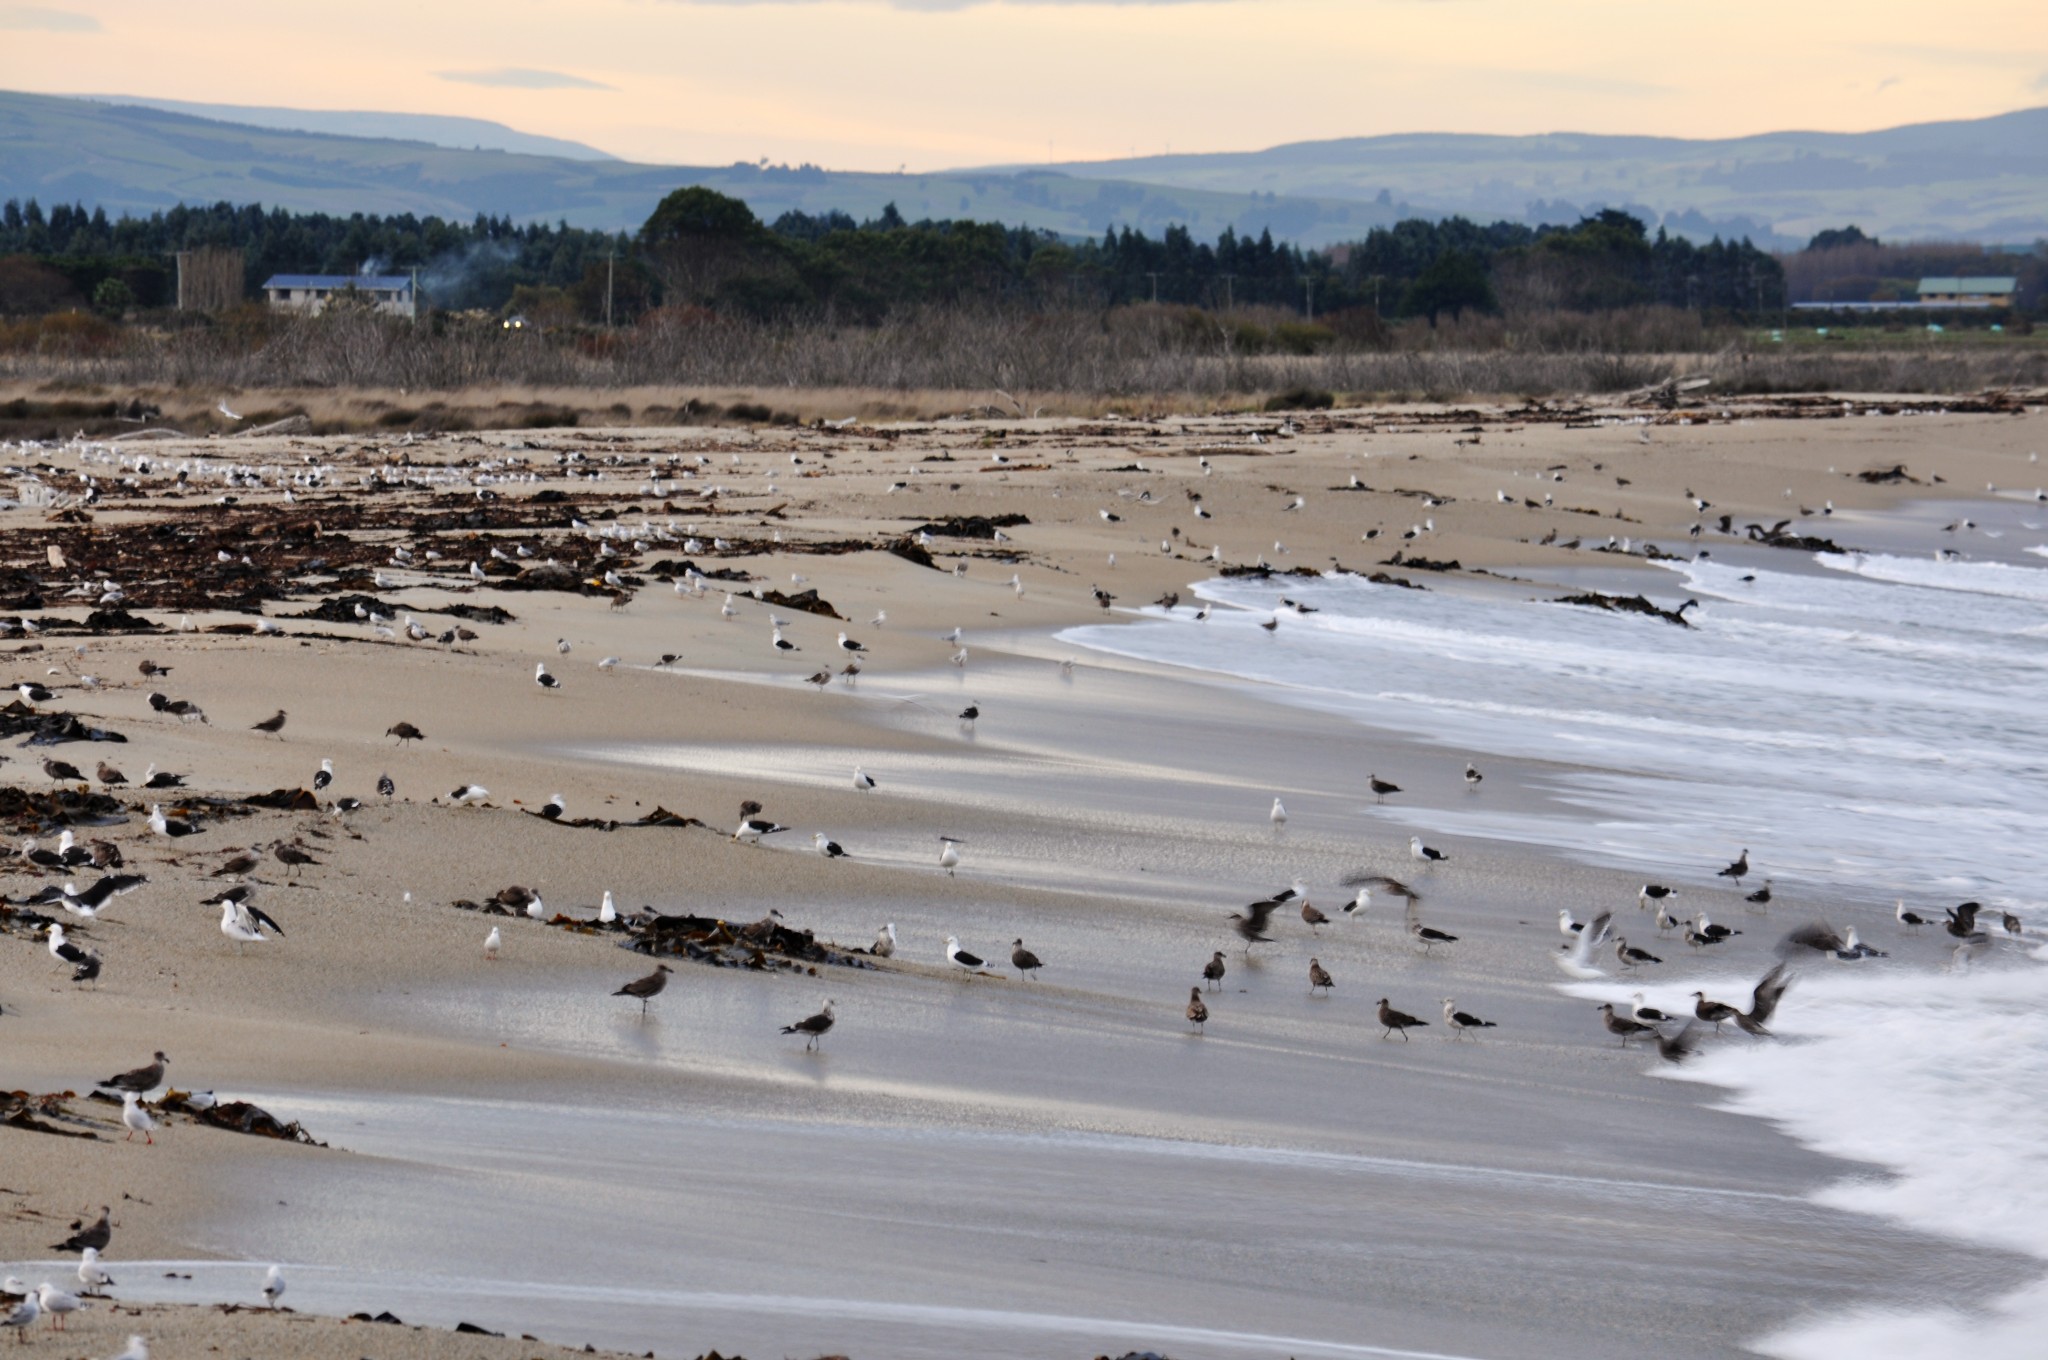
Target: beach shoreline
372, 995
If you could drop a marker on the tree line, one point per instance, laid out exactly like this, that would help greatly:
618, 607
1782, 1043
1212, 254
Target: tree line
702, 249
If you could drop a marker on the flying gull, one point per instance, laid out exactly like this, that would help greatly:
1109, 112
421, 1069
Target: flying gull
1763, 1002
1676, 1048
1576, 959
1251, 923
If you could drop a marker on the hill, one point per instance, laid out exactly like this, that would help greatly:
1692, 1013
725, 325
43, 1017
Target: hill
1983, 179
126, 158
436, 129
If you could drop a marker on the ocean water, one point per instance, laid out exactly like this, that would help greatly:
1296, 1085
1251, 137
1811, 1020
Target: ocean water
1870, 726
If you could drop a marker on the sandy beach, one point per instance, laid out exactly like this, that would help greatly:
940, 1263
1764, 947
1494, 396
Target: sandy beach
973, 1160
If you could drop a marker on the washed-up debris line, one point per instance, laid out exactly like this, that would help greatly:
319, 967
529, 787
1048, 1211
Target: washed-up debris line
50, 729
236, 1116
1625, 604
661, 816
766, 943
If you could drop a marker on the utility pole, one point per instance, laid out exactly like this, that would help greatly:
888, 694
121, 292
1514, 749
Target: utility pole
1155, 285
1229, 297
609, 258
1308, 286
415, 295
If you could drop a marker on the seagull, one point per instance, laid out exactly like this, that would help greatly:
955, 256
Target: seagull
168, 826
1853, 949
1198, 1010
956, 954
1472, 775
885, 942
1629, 956
1653, 892
1278, 814
813, 1027
1713, 1012
1392, 1020
274, 724
1318, 976
847, 644
607, 910
293, 856
405, 732
22, 1316
89, 902
1649, 1015
138, 1349
1380, 788
140, 1080
1427, 854
1356, 907
1676, 1048
468, 793
543, 679
1213, 970
1739, 868
562, 646
554, 808
245, 924
493, 942
1429, 935
753, 828
827, 847
1710, 930
137, 1119
323, 776
1622, 1025
783, 644
1314, 918
862, 780
522, 899
222, 407
1023, 960
1762, 896
273, 1285
91, 1278
949, 854
646, 988
96, 1236
1251, 923
1460, 1021
1763, 1002
1909, 919
58, 1304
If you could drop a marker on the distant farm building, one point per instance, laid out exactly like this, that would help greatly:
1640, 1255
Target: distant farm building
1967, 292
391, 294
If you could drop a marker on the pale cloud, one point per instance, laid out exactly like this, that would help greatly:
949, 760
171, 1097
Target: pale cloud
1888, 82
947, 6
523, 78
2041, 81
36, 19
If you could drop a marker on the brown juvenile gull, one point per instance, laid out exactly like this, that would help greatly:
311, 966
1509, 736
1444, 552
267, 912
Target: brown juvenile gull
1319, 976
110, 776
289, 854
97, 1236
1380, 787
812, 1026
885, 942
1392, 1020
1023, 960
1198, 1010
1213, 970
243, 864
405, 732
1763, 1002
1251, 923
63, 771
1313, 915
273, 724
1676, 1048
646, 988
1622, 1025
1738, 869
141, 1080
1714, 1012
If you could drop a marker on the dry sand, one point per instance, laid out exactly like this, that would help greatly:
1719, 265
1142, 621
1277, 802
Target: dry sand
1108, 822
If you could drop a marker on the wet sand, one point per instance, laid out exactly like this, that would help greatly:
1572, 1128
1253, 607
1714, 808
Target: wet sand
1027, 1168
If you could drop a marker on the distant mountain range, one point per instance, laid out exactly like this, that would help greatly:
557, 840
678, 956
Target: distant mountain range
1984, 180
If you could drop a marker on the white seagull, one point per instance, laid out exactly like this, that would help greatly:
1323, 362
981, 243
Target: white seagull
91, 1278
58, 1304
1278, 814
862, 780
245, 924
273, 1285
949, 854
608, 910
493, 942
138, 1349
956, 954
543, 679
136, 1118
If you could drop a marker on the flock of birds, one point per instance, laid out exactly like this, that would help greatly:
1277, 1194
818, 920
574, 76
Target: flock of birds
22, 1306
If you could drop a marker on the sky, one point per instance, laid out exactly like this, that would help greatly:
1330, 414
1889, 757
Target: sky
933, 84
